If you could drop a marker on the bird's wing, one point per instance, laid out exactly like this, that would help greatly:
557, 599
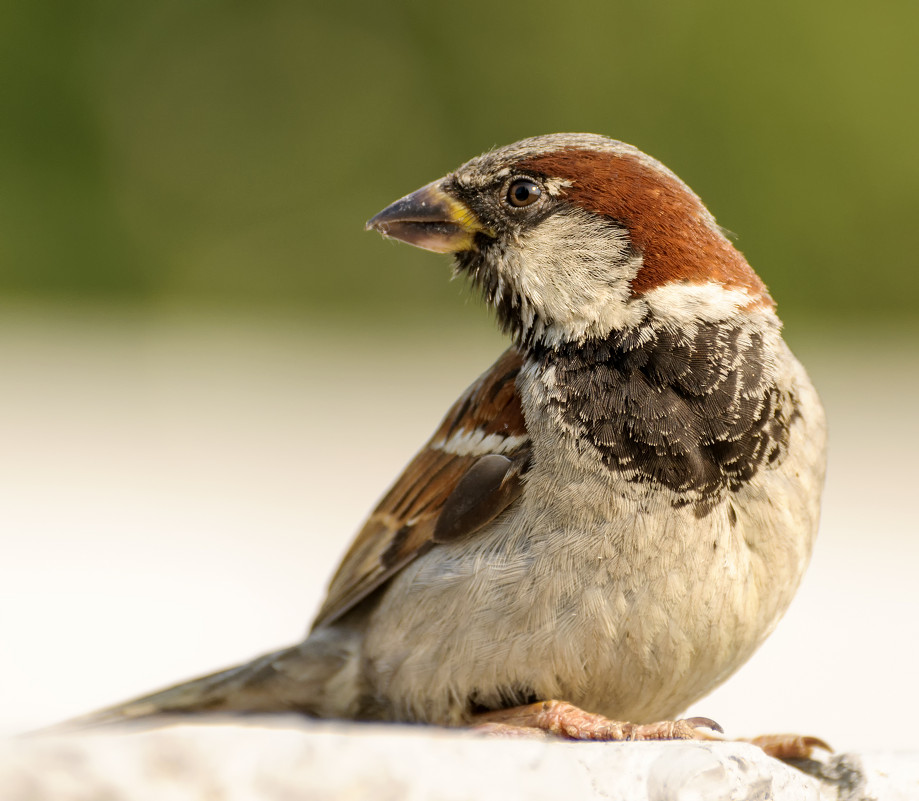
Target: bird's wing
466, 475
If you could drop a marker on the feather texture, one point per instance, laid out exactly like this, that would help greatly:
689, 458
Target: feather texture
487, 420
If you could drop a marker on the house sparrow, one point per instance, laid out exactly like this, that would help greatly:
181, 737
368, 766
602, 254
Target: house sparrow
613, 517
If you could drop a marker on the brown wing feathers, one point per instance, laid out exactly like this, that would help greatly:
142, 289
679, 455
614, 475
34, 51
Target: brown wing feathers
466, 475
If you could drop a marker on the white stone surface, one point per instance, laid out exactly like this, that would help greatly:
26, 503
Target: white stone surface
287, 759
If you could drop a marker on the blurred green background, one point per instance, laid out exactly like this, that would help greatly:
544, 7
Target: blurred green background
226, 154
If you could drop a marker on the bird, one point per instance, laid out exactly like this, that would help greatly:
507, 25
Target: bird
612, 518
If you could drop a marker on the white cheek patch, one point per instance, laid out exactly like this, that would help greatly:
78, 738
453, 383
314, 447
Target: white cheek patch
575, 272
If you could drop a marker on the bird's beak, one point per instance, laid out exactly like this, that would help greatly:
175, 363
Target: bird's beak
429, 218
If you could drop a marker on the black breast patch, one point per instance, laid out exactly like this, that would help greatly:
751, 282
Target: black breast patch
698, 413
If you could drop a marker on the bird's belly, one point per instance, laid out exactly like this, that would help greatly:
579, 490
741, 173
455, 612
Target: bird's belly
635, 619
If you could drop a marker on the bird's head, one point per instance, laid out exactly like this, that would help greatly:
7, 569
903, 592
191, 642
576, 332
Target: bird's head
573, 236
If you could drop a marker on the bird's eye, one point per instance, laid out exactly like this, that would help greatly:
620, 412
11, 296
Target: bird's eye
523, 192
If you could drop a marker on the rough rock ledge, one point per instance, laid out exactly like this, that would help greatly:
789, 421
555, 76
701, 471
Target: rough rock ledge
287, 758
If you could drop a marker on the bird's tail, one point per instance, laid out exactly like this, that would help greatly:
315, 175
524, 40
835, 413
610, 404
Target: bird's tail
301, 678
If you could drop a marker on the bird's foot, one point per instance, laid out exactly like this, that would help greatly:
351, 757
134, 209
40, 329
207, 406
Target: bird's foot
565, 720
787, 746
572, 723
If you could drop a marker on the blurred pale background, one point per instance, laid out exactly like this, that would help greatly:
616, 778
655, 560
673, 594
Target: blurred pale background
209, 373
